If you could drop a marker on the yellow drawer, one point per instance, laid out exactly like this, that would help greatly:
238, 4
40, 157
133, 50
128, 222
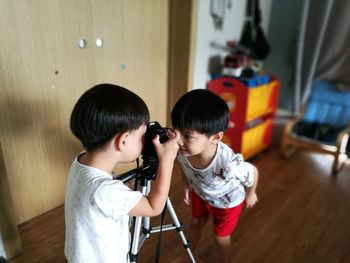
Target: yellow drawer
257, 104
256, 138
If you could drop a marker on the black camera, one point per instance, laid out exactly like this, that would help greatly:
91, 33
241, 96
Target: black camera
153, 128
149, 155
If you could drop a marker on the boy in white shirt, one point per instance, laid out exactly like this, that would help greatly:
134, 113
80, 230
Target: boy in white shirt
110, 121
217, 181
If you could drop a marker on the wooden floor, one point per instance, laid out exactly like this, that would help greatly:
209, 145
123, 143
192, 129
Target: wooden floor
303, 215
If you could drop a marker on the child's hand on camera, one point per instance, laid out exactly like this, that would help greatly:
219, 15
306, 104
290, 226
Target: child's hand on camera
167, 151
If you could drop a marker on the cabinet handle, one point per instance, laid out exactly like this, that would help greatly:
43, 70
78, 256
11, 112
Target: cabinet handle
99, 42
82, 43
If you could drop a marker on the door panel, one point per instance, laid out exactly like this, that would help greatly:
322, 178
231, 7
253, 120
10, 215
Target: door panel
134, 54
43, 72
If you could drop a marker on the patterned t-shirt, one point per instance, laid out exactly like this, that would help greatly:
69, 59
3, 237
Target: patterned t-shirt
96, 214
223, 183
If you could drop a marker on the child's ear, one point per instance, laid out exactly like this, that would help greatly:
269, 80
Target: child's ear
218, 136
120, 141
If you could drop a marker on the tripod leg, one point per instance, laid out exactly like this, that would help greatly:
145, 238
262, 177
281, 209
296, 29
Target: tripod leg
138, 238
179, 229
135, 240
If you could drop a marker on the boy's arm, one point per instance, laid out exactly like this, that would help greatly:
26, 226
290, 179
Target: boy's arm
251, 197
186, 189
154, 203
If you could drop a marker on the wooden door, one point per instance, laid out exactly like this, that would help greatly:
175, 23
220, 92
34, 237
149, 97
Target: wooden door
135, 51
43, 72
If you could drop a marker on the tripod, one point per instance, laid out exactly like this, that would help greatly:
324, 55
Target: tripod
139, 238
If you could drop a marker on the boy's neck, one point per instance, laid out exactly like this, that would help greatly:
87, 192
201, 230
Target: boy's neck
97, 160
204, 159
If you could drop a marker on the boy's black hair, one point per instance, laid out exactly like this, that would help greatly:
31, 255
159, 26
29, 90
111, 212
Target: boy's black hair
200, 110
104, 111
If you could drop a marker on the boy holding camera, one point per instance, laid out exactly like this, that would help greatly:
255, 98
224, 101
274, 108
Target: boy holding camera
217, 181
110, 121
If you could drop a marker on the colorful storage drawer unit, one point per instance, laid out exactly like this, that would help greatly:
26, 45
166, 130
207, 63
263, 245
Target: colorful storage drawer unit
251, 112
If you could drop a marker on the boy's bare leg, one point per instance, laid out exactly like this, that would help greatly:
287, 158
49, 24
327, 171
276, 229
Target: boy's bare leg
225, 248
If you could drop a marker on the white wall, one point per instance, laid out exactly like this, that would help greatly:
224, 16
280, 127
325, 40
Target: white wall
231, 30
283, 34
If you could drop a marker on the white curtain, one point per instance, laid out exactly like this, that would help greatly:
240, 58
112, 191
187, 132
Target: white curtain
323, 51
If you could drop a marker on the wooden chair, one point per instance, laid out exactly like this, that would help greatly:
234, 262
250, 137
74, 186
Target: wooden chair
324, 127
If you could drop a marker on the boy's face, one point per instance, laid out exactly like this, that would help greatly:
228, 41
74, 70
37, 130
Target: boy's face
135, 143
194, 143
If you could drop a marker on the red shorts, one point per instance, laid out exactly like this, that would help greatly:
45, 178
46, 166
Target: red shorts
224, 219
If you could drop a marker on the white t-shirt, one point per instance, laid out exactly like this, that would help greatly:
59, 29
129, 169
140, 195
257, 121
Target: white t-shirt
96, 215
222, 183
